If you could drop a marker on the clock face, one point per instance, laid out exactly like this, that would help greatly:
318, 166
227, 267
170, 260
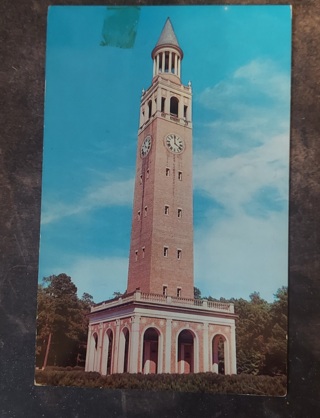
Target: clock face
146, 146
174, 143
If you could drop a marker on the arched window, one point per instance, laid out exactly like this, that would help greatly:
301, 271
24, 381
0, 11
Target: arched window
174, 106
150, 362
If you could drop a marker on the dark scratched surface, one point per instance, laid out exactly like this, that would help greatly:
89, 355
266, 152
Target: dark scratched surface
22, 43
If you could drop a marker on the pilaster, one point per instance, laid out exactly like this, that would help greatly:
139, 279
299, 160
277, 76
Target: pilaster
167, 346
134, 344
206, 347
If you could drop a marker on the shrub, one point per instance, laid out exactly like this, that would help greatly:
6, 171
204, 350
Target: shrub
197, 382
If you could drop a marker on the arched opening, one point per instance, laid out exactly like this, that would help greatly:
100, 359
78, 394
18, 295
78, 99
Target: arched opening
166, 62
172, 70
186, 352
110, 351
219, 354
124, 351
174, 105
149, 109
93, 359
150, 362
107, 353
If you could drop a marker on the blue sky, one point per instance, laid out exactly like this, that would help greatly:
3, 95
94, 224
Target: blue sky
238, 60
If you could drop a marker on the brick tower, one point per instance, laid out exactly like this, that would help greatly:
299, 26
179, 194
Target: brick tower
161, 251
157, 326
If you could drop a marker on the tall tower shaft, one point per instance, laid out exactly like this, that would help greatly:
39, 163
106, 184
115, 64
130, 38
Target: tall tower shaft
161, 250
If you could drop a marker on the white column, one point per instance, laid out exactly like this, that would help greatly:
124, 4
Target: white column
86, 368
206, 347
134, 344
179, 67
170, 62
167, 347
115, 360
154, 67
176, 64
227, 358
157, 65
233, 351
158, 99
180, 107
167, 104
99, 348
163, 61
104, 358
189, 111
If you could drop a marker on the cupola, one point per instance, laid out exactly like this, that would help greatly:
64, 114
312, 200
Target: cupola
167, 54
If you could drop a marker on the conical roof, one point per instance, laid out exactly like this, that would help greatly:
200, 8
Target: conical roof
168, 37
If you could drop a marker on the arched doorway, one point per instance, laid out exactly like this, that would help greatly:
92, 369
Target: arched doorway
124, 351
219, 354
150, 358
186, 352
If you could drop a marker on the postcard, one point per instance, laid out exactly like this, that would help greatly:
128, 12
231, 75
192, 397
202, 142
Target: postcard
164, 223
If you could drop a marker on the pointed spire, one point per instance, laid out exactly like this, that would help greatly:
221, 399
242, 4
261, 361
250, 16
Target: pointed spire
168, 37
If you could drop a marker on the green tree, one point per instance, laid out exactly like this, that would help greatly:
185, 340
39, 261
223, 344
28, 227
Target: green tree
251, 333
276, 350
62, 322
197, 293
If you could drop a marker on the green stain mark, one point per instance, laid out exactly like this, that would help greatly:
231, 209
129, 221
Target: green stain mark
120, 27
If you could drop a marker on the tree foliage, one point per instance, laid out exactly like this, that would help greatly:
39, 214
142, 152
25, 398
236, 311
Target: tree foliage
61, 322
261, 333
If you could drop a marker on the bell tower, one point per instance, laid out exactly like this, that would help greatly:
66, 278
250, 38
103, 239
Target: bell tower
157, 326
161, 250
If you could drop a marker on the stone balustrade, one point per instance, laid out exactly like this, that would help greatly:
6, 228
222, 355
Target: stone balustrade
154, 298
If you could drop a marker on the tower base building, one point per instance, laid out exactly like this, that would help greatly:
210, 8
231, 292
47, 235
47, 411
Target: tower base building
148, 333
157, 326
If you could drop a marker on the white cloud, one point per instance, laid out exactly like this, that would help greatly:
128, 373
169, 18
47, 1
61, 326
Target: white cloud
246, 89
109, 193
240, 255
99, 277
244, 150
232, 181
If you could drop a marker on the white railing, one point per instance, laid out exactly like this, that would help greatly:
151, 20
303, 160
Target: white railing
154, 298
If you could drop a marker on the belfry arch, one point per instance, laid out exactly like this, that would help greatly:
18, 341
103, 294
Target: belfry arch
174, 106
151, 354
